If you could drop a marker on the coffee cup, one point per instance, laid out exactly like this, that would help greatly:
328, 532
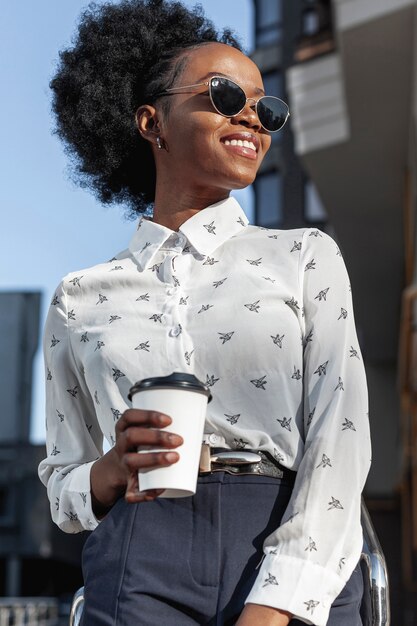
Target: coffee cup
184, 398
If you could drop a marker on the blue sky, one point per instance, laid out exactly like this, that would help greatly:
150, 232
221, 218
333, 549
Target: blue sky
50, 227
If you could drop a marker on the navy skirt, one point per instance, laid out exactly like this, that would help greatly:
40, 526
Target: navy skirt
191, 561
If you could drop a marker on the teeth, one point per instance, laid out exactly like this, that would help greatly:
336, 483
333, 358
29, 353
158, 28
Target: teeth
249, 144
239, 142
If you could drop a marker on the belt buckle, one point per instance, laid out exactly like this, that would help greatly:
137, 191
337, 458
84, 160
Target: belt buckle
232, 457
236, 457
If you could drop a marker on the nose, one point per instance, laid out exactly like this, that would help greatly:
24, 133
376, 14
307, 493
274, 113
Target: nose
248, 116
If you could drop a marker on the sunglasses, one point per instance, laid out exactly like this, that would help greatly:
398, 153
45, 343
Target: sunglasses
229, 99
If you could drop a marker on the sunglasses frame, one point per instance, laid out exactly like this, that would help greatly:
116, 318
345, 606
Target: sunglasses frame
173, 90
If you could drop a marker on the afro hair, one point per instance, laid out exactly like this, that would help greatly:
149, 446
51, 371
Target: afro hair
122, 56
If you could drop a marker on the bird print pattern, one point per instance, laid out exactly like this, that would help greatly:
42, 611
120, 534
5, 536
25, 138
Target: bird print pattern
305, 402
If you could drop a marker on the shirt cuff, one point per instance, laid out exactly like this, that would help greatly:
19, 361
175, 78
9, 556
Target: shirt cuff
304, 589
75, 512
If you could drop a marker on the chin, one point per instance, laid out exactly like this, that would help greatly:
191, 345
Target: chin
244, 180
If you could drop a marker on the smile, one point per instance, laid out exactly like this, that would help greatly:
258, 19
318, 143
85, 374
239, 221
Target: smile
244, 144
239, 142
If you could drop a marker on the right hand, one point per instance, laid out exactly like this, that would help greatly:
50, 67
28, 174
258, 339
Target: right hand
138, 429
116, 473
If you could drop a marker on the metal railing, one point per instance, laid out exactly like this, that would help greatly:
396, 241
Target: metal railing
376, 600
28, 611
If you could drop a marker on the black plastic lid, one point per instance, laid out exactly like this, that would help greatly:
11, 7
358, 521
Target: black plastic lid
173, 381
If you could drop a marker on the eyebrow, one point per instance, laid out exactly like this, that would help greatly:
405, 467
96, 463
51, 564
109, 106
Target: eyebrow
210, 74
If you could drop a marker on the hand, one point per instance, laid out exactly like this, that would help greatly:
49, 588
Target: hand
261, 615
116, 473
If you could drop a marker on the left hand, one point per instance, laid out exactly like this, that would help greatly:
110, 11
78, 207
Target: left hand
261, 615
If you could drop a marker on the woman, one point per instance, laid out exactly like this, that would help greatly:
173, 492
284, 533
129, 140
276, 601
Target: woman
150, 102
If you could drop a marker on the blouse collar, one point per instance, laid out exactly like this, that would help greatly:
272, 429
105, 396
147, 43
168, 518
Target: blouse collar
205, 231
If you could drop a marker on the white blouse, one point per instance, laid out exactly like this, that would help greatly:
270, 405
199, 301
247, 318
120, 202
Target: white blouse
265, 318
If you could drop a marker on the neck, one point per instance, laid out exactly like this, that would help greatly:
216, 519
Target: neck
173, 207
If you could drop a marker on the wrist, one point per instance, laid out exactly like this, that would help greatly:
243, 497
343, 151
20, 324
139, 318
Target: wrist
262, 614
108, 483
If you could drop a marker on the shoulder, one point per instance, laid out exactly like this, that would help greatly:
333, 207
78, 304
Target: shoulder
272, 235
78, 281
294, 239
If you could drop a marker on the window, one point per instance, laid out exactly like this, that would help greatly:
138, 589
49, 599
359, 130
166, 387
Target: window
314, 210
274, 86
269, 199
310, 23
268, 22
316, 16
7, 506
269, 12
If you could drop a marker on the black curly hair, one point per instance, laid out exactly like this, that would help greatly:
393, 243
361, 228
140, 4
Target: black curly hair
123, 55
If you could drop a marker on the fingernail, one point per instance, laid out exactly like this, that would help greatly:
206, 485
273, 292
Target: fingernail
171, 456
174, 439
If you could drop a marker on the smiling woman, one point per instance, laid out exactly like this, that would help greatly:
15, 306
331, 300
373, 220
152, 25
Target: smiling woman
160, 111
194, 159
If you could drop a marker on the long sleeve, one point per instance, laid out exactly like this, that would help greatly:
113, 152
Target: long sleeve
73, 437
310, 557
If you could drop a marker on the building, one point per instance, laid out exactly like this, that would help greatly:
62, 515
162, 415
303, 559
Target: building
347, 164
36, 558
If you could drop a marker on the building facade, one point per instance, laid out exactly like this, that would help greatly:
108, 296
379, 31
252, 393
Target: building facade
347, 163
36, 558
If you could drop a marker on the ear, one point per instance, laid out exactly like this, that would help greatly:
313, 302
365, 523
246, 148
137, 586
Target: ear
148, 122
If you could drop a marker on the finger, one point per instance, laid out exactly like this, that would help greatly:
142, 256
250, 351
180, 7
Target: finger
133, 494
135, 461
134, 437
143, 496
138, 417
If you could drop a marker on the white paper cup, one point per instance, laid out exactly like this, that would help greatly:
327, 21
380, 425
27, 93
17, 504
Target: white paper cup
184, 398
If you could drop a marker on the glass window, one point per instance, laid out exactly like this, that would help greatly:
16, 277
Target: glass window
268, 36
269, 12
269, 22
314, 210
7, 506
274, 84
269, 199
311, 22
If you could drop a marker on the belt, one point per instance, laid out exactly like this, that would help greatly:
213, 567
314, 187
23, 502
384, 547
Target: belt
241, 462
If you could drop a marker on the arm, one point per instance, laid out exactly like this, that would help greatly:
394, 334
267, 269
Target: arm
83, 484
73, 437
317, 546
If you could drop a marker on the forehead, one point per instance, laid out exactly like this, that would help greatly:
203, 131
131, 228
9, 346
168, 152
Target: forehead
219, 57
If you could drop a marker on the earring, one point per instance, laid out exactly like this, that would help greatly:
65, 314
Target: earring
159, 143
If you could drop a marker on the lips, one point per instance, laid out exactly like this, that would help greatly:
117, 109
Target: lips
244, 140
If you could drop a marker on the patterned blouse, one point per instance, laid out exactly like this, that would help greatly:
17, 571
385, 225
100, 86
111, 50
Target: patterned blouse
264, 317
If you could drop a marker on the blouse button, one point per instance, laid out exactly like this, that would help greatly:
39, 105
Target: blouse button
213, 439
175, 331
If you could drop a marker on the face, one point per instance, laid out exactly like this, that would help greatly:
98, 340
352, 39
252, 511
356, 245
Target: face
200, 154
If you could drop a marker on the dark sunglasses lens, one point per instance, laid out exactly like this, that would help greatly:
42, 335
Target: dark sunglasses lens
272, 113
228, 98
